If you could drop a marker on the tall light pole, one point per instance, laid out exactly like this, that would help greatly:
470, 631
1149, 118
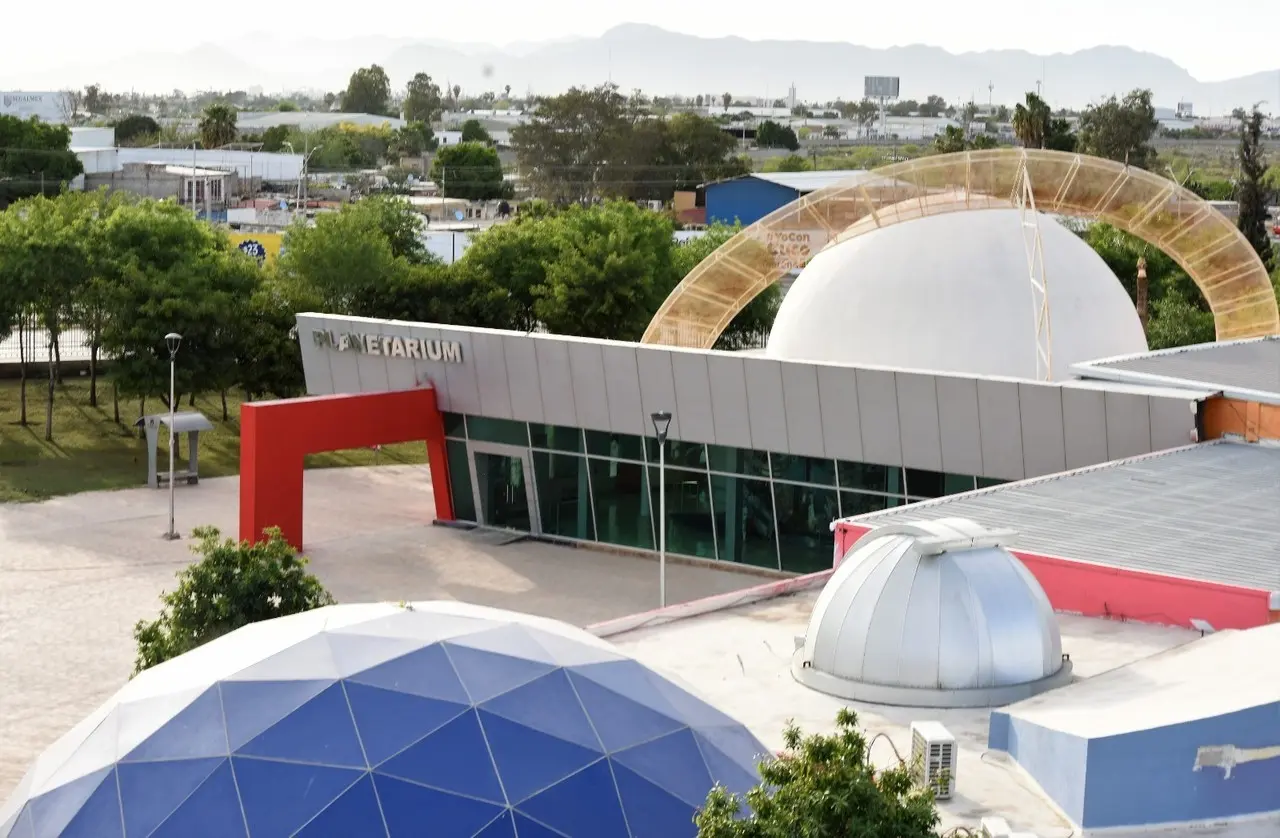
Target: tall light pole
661, 423
172, 340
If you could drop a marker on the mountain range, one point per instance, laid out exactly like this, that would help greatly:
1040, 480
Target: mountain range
660, 62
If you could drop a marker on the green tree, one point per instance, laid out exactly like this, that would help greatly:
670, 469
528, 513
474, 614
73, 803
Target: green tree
368, 91
422, 101
1031, 122
471, 171
335, 260
135, 127
614, 269
824, 787
750, 327
513, 257
790, 163
413, 140
268, 356
1251, 193
569, 140
35, 159
1121, 129
230, 586
770, 134
727, 99
474, 132
1060, 137
217, 126
397, 222
1176, 321
274, 138
934, 106
951, 140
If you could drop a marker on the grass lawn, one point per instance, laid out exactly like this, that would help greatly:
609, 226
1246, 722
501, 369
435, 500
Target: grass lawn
90, 451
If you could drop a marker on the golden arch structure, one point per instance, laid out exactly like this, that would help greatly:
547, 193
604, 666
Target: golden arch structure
1198, 237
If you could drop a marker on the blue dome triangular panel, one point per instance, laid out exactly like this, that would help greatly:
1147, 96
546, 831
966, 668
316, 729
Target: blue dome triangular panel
196, 731
409, 808
488, 674
734, 746
251, 707
632, 680
212, 811
503, 826
619, 721
427, 672
652, 812
389, 721
320, 731
725, 771
53, 810
99, 817
548, 704
513, 640
673, 763
694, 711
279, 797
583, 805
18, 824
355, 813
152, 791
454, 758
530, 761
527, 827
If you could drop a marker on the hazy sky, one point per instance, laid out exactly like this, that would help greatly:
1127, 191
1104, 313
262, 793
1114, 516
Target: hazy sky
1239, 39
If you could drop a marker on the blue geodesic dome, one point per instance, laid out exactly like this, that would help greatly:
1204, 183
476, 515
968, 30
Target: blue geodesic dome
435, 719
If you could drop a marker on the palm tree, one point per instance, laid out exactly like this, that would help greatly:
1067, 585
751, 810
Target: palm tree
1031, 122
217, 126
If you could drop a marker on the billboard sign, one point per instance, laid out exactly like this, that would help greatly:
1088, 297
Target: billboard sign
880, 87
47, 106
792, 249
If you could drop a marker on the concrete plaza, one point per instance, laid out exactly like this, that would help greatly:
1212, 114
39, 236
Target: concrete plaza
77, 572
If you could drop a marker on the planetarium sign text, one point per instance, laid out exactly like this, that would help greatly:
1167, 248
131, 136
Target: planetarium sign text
392, 346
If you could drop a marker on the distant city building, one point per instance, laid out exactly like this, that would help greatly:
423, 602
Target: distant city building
47, 106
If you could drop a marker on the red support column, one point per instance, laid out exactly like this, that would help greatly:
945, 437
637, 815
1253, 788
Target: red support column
276, 436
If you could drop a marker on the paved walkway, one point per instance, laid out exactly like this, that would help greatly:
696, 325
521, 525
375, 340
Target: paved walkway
76, 573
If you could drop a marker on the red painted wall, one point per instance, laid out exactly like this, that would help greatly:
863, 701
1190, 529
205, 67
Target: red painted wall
1100, 591
275, 436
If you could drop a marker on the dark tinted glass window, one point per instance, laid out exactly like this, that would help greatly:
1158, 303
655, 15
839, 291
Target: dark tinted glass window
744, 521
484, 429
556, 437
454, 425
805, 542
687, 454
621, 503
803, 469
564, 497
738, 460
620, 446
464, 503
689, 527
870, 477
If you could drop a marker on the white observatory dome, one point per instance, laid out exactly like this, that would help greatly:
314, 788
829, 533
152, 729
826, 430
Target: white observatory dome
935, 614
952, 293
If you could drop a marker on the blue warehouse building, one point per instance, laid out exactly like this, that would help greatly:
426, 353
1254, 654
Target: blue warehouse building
751, 197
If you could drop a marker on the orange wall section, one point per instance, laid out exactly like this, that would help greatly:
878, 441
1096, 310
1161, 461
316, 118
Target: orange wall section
1236, 417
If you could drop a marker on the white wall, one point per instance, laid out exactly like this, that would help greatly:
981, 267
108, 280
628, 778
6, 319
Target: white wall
260, 164
89, 137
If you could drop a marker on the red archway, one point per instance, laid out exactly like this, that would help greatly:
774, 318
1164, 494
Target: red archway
275, 436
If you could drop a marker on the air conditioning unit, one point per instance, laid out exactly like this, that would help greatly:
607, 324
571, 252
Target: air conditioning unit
933, 758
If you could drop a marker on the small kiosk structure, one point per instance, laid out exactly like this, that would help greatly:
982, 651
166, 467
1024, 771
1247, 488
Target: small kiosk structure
190, 423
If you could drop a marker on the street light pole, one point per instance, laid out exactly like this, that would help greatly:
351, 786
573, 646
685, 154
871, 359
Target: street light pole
661, 424
172, 340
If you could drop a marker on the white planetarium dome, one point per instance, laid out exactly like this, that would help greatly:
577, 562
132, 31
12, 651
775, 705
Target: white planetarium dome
952, 293
932, 614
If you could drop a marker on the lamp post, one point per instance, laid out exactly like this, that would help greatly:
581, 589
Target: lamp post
661, 423
172, 340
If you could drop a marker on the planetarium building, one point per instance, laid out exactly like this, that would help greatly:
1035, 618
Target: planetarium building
927, 348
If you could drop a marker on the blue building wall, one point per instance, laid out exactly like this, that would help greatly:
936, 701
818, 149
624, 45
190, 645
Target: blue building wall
745, 199
1146, 777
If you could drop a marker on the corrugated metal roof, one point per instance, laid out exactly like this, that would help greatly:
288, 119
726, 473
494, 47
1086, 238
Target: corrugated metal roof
813, 181
1251, 366
1209, 512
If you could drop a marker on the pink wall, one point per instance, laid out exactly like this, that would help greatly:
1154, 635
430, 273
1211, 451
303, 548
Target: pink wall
1100, 591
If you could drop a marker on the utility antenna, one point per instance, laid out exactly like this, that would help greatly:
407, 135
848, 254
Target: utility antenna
991, 92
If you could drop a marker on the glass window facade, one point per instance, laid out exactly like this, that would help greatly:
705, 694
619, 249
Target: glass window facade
764, 509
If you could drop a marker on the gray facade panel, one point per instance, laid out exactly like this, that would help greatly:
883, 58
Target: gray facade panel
372, 369
1173, 422
400, 373
523, 381
590, 397
841, 427
765, 409
555, 377
490, 364
918, 421
1043, 441
344, 367
434, 373
802, 403
461, 380
878, 417
958, 425
1084, 426
1001, 421
1128, 425
693, 396
622, 384
657, 388
729, 400
315, 359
